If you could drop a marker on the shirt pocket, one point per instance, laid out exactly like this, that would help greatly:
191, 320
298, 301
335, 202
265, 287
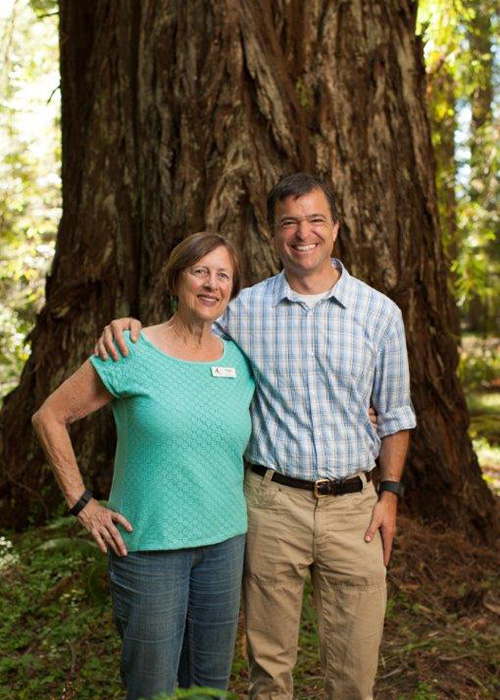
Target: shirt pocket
348, 361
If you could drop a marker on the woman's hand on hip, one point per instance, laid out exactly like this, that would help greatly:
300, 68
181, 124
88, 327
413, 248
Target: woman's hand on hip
100, 522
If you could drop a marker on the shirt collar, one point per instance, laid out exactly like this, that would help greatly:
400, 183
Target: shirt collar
339, 292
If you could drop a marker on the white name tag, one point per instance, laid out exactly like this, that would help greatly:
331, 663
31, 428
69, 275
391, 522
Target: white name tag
223, 372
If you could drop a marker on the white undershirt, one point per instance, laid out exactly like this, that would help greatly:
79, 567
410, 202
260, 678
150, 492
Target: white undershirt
310, 300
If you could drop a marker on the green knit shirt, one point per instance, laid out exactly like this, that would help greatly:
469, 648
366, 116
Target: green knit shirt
182, 428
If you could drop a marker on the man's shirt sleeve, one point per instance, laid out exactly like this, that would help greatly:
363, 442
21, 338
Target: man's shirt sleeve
391, 385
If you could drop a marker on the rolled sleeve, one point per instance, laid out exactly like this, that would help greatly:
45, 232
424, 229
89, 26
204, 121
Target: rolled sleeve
391, 388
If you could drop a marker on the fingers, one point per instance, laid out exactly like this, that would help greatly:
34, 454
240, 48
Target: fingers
135, 329
109, 537
100, 542
383, 519
116, 542
387, 539
100, 350
112, 336
108, 336
372, 529
118, 518
372, 416
387, 535
99, 522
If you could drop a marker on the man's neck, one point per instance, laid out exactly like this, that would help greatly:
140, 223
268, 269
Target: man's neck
314, 283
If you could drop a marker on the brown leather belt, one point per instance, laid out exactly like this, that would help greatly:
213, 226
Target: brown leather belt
321, 487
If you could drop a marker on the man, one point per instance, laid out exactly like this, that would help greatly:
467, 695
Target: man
323, 347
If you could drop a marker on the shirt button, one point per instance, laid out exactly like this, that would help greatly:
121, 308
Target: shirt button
311, 353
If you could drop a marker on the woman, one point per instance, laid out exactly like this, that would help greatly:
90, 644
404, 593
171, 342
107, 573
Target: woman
176, 516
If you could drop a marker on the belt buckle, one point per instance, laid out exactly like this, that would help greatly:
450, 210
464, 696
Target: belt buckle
317, 494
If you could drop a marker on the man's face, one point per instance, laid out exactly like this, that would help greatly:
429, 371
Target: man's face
304, 234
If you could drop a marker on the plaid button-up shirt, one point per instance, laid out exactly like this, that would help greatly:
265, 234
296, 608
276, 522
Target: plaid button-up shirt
317, 371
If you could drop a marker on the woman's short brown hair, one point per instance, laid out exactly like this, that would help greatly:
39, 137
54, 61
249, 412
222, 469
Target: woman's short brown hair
192, 249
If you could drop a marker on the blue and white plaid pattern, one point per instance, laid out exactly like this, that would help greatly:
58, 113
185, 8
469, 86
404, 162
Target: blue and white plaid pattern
317, 372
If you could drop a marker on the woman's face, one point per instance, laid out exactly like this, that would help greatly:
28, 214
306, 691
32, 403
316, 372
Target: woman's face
204, 289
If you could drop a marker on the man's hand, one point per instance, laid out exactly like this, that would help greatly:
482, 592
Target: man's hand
114, 331
384, 519
100, 522
372, 415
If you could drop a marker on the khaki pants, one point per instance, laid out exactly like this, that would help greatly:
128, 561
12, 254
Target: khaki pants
290, 534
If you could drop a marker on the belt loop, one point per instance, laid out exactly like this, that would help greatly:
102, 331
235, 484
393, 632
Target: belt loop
268, 476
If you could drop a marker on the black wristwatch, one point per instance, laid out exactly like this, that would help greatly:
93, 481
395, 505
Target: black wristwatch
392, 486
81, 503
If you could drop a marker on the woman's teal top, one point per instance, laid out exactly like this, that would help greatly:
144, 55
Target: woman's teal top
182, 428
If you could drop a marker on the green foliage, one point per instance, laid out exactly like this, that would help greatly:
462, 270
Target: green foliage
58, 639
44, 7
423, 692
196, 694
55, 628
480, 373
461, 40
479, 362
29, 172
56, 634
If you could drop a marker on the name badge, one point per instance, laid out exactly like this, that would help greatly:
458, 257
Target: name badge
223, 372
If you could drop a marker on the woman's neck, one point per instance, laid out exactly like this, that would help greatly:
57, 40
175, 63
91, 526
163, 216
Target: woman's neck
195, 334
186, 340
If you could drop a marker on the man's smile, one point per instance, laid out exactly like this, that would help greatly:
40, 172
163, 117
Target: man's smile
304, 248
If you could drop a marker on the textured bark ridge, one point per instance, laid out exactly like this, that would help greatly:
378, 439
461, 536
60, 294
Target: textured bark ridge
179, 116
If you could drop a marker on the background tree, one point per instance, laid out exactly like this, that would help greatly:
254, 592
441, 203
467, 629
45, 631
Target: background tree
461, 43
30, 183
178, 116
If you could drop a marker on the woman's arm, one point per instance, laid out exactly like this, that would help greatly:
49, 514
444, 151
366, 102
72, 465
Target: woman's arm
81, 394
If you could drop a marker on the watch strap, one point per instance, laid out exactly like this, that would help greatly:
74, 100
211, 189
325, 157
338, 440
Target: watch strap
81, 503
392, 486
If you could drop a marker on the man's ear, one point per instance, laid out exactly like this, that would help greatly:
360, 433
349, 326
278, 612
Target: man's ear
274, 242
335, 232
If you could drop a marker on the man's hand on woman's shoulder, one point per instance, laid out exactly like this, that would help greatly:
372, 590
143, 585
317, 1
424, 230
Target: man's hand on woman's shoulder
105, 346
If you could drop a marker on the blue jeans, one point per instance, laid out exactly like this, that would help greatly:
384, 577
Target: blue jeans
164, 598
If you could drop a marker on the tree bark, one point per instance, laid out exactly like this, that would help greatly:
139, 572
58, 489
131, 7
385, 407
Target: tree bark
179, 116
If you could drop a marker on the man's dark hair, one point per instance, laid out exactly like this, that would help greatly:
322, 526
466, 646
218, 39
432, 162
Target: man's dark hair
296, 186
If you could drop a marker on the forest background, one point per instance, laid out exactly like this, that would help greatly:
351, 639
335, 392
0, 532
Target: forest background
455, 656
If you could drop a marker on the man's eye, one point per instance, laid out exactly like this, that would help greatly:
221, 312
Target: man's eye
318, 220
288, 224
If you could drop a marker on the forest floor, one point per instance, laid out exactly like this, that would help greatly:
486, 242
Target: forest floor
441, 640
442, 630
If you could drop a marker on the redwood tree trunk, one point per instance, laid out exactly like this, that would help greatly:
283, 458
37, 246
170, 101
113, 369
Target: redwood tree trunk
179, 116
